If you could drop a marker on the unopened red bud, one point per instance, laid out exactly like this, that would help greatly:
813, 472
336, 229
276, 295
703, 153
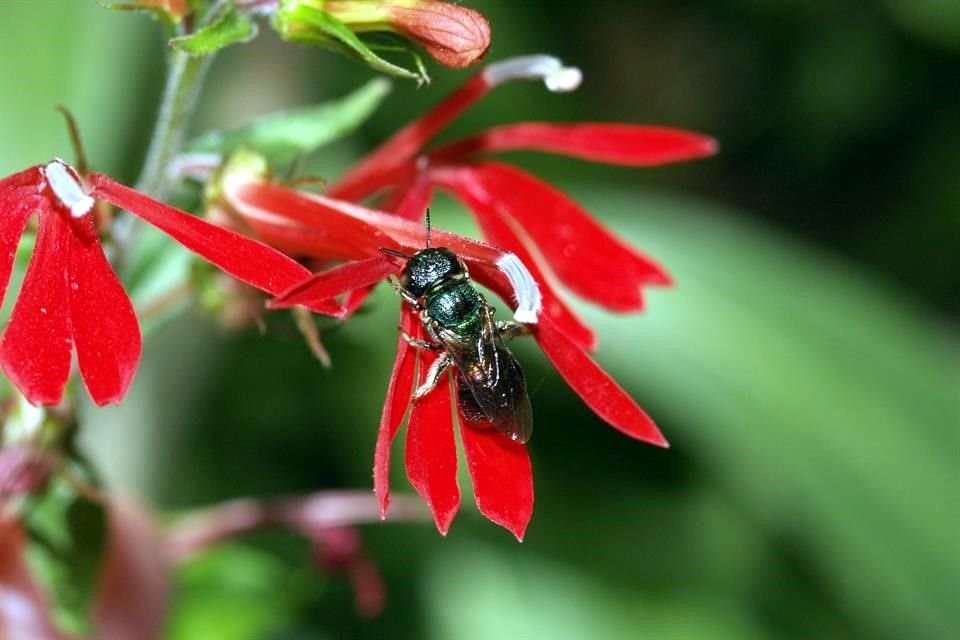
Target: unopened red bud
455, 36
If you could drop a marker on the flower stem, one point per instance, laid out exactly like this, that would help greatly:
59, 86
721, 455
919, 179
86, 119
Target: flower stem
305, 514
184, 81
185, 75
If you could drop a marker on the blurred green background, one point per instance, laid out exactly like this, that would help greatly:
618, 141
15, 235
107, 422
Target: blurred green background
805, 367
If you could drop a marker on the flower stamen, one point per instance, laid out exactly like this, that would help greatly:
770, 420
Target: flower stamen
556, 77
66, 186
525, 290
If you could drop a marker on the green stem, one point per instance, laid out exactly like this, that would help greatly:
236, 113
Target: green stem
185, 76
184, 81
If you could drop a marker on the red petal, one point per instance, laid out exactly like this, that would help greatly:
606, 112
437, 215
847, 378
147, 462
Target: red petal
331, 229
416, 198
320, 290
339, 229
325, 228
501, 474
597, 389
431, 452
586, 257
374, 171
247, 260
395, 405
496, 228
623, 144
36, 349
355, 299
105, 328
19, 197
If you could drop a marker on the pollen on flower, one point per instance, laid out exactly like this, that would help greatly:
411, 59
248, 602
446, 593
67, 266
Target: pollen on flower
62, 180
525, 289
555, 76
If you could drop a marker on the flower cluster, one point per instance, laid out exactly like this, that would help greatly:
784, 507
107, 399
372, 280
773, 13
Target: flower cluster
538, 236
71, 298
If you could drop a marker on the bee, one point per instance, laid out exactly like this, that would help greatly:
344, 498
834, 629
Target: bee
459, 322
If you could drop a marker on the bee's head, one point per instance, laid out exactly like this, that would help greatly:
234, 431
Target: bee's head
427, 267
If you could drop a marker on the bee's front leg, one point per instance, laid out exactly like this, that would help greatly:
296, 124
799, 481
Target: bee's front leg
406, 295
511, 329
433, 375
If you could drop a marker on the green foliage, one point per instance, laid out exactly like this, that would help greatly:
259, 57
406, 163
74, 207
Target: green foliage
285, 135
230, 27
305, 24
497, 595
236, 592
935, 20
827, 404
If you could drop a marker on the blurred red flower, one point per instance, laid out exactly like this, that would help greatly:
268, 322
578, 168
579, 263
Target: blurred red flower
70, 295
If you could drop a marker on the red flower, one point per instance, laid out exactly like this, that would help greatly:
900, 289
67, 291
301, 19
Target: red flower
71, 296
330, 229
553, 235
547, 236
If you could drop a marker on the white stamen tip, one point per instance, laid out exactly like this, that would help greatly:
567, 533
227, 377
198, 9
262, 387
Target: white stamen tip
67, 188
525, 289
555, 76
564, 80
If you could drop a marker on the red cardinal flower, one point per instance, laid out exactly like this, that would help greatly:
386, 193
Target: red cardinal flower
330, 229
71, 297
553, 235
544, 236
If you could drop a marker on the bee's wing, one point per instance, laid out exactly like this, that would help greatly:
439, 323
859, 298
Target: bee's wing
505, 404
491, 384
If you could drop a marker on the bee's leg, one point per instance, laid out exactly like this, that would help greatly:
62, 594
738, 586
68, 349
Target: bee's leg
511, 329
406, 295
433, 375
419, 344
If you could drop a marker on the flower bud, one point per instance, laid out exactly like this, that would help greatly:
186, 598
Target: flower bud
453, 35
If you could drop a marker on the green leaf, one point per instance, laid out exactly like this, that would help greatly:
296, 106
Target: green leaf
230, 28
935, 20
514, 594
234, 592
826, 403
284, 135
306, 24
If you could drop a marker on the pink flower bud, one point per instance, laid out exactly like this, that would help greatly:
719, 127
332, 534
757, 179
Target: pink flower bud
455, 36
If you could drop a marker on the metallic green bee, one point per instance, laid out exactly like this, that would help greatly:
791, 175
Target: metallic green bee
490, 383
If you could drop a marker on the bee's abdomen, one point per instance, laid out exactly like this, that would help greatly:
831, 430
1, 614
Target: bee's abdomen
458, 308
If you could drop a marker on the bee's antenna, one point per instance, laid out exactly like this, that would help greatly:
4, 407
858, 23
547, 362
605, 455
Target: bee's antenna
394, 253
428, 227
